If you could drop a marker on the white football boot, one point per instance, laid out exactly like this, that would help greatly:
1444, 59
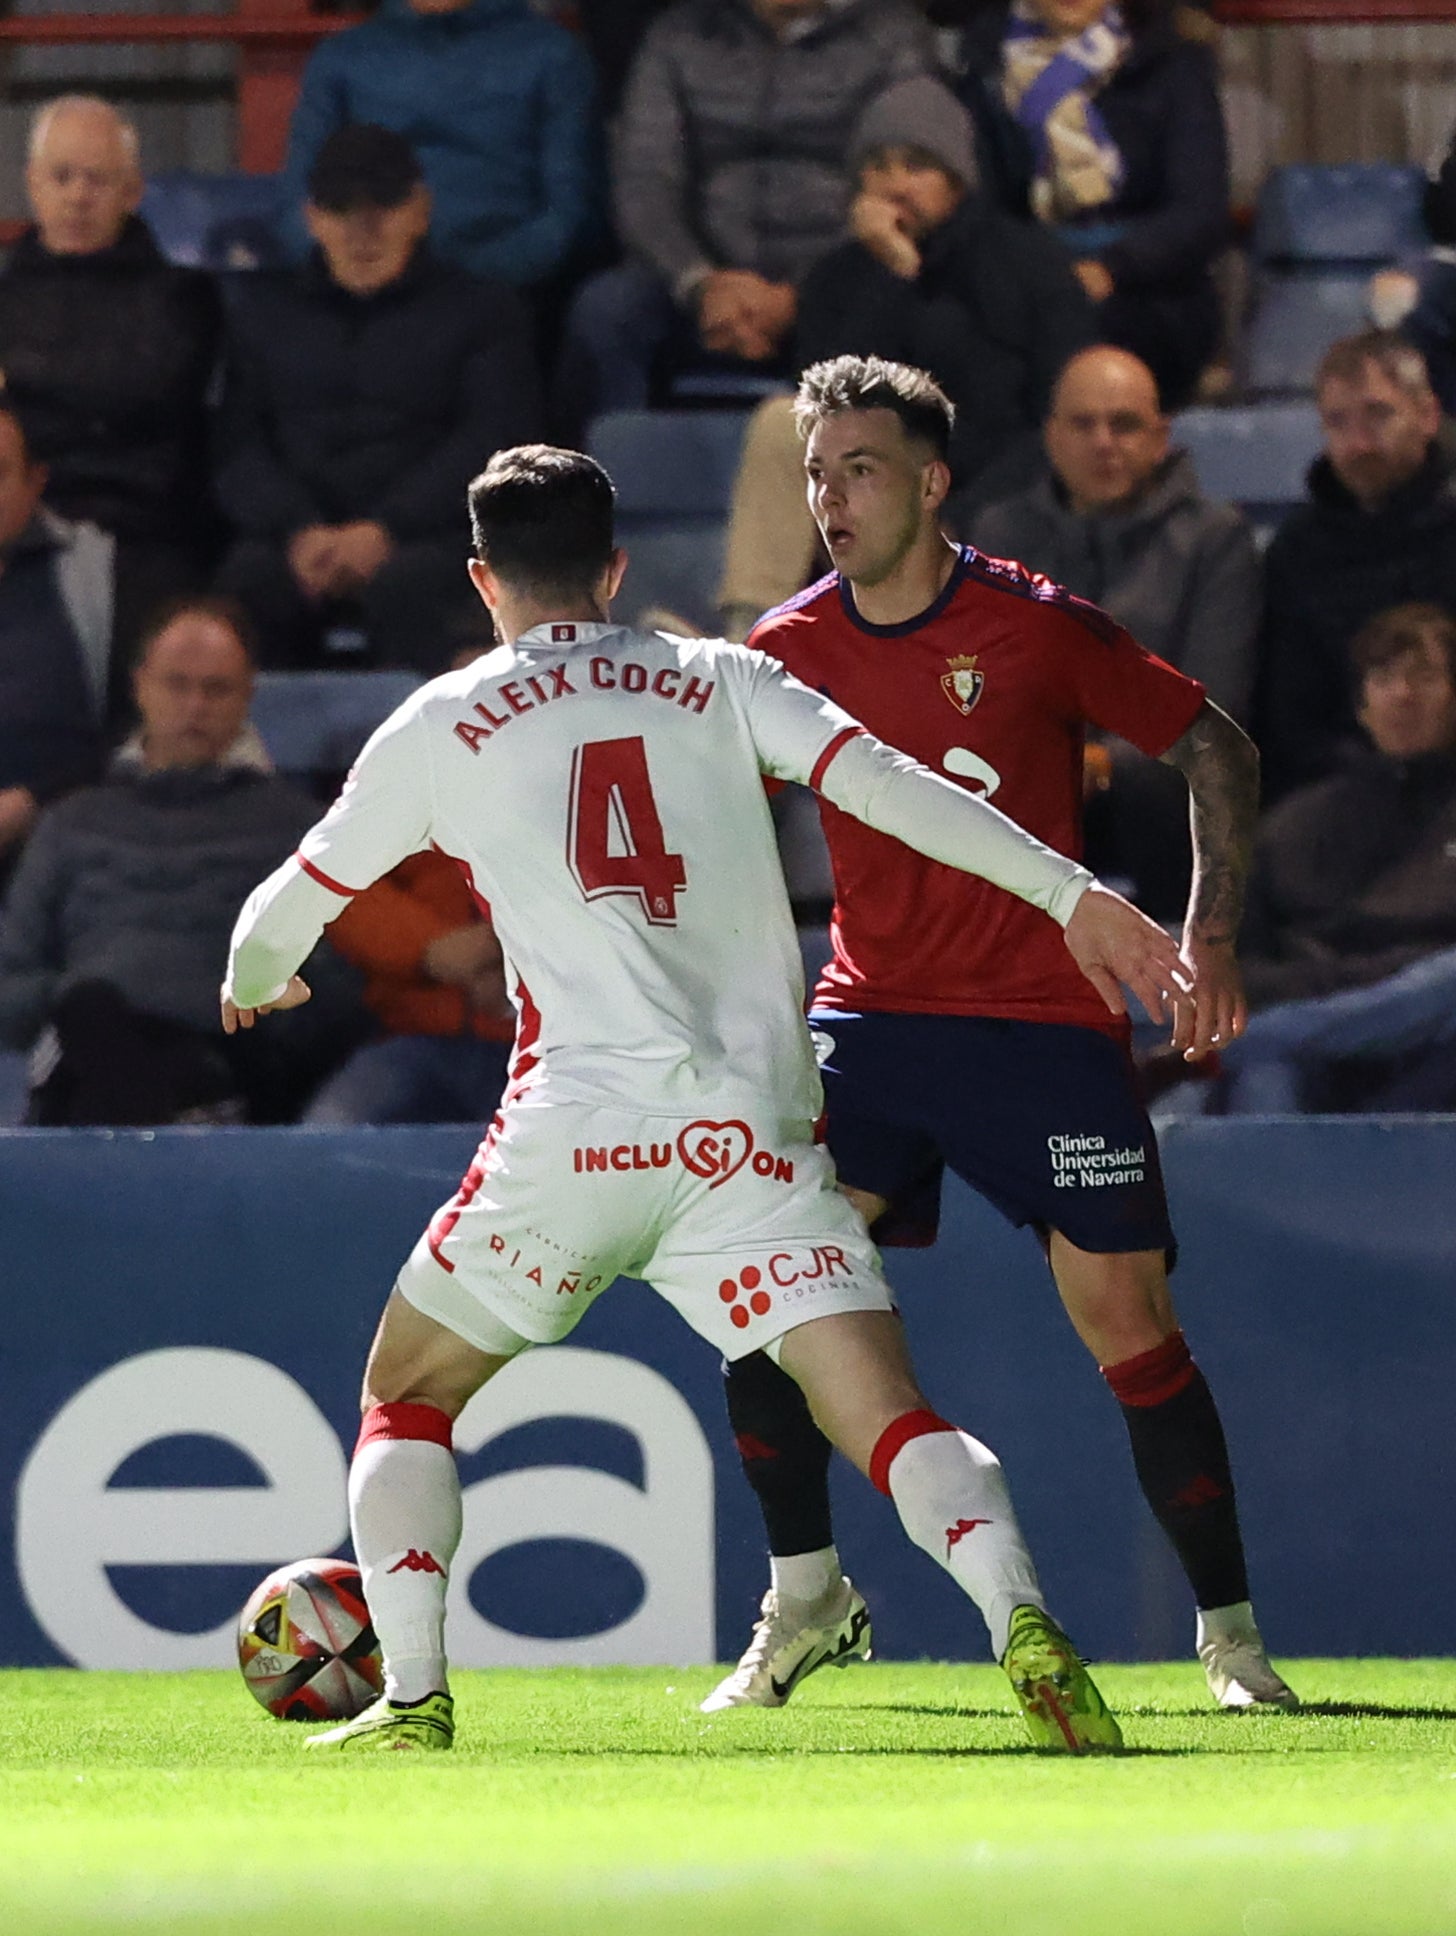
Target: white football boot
793, 1639
1234, 1660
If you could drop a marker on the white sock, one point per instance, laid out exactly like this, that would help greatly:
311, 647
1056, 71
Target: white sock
404, 1509
806, 1576
952, 1499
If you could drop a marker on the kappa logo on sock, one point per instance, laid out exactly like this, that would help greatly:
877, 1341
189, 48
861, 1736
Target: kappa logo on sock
955, 1534
415, 1561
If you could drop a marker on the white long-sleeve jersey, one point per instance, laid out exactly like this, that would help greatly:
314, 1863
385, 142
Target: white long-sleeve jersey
602, 791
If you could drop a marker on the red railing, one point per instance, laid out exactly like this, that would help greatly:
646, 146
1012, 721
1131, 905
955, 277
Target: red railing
273, 40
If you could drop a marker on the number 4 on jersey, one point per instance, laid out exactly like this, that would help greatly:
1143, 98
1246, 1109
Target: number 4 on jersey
615, 842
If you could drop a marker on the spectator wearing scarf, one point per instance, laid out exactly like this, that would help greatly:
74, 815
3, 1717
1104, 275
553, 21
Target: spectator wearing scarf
1103, 122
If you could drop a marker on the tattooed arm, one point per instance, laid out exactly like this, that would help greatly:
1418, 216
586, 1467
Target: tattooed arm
1221, 765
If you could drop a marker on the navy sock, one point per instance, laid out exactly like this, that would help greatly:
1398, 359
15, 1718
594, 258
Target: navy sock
785, 1455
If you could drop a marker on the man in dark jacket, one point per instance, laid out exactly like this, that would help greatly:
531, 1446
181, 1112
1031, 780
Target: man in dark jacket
107, 353
934, 276
1349, 950
56, 593
730, 182
122, 904
1119, 519
1379, 530
1104, 123
364, 391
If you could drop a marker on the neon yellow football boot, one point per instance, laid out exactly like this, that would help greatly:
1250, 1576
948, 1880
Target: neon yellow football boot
411, 1726
1059, 1701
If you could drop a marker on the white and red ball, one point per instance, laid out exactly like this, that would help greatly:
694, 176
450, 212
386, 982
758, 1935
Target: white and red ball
306, 1644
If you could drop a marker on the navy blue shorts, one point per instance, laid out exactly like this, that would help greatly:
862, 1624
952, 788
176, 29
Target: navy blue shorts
1043, 1118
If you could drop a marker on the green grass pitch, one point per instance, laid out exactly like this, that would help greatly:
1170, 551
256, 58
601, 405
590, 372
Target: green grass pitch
887, 1799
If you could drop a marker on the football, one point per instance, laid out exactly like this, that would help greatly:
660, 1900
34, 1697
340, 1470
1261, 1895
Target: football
306, 1644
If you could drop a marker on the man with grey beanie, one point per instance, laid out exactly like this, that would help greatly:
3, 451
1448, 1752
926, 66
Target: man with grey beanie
932, 275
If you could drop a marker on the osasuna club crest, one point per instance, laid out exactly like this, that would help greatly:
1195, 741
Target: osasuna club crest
962, 684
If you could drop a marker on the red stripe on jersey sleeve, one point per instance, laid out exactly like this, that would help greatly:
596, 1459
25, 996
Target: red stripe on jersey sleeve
318, 874
821, 765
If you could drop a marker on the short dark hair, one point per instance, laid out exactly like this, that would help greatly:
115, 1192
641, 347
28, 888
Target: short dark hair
363, 166
227, 611
874, 383
1401, 629
1387, 349
541, 519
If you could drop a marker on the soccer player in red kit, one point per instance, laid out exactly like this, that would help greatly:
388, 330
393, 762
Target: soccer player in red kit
952, 1031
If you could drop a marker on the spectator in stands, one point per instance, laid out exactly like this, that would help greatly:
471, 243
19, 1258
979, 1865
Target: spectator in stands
107, 352
500, 107
1103, 121
1379, 529
435, 985
364, 390
932, 275
55, 645
1119, 518
731, 182
1349, 949
1419, 297
121, 907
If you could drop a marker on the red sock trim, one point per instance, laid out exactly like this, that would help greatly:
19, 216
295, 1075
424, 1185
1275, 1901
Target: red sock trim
893, 1440
1155, 1376
404, 1421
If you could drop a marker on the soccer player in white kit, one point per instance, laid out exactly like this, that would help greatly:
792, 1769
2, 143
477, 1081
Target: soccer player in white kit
601, 790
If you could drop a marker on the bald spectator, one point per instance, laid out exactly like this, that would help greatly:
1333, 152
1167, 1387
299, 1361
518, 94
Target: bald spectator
55, 645
1378, 530
125, 896
1119, 518
107, 352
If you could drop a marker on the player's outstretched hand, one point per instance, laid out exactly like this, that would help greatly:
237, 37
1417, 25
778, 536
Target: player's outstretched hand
1223, 1013
1113, 943
294, 996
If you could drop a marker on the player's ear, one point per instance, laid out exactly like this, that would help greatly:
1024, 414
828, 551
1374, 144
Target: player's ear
484, 582
935, 483
616, 571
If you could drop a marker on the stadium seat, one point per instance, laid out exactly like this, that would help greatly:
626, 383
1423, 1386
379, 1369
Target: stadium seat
674, 474
1365, 212
1297, 314
214, 221
670, 463
1254, 455
313, 723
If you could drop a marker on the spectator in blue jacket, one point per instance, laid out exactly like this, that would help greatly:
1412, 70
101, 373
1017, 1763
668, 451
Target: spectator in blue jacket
500, 107
1102, 120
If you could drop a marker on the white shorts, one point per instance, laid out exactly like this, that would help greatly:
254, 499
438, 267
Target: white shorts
738, 1225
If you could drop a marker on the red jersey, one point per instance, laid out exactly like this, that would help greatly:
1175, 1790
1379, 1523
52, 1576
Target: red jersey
992, 686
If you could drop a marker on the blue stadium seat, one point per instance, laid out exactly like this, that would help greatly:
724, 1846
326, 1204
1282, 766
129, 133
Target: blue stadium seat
1255, 455
1297, 315
1367, 212
674, 474
315, 722
215, 221
670, 463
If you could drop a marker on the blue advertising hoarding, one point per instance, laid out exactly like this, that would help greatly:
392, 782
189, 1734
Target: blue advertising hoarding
187, 1314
